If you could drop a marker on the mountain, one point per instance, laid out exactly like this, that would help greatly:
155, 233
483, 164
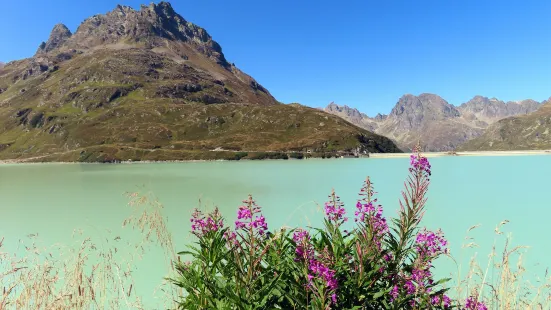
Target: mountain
492, 110
439, 125
148, 85
352, 115
531, 131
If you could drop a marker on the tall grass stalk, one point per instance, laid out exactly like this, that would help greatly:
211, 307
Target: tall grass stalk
509, 290
91, 273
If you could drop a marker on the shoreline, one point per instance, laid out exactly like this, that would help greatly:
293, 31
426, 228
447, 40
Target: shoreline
466, 153
371, 155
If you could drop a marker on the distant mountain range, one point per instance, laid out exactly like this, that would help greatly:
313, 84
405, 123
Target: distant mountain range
523, 132
148, 85
439, 125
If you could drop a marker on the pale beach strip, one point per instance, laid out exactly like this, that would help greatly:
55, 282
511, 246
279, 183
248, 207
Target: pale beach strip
472, 153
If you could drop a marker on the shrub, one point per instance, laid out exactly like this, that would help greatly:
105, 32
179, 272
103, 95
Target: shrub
376, 265
296, 155
268, 155
240, 155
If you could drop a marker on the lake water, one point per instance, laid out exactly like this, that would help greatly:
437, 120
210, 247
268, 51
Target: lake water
54, 199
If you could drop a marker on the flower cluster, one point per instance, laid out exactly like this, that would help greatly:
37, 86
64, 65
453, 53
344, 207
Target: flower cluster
249, 217
394, 293
304, 250
334, 209
321, 271
371, 215
201, 224
373, 218
231, 238
441, 300
420, 163
472, 304
419, 275
430, 244
317, 269
334, 263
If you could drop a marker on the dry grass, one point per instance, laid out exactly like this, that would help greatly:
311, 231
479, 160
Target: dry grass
89, 274
500, 283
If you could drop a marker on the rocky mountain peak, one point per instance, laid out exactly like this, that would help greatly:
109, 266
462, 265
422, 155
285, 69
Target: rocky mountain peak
163, 7
150, 26
492, 109
422, 106
345, 111
59, 35
380, 117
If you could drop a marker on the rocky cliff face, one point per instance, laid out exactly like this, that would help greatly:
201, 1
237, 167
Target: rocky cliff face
150, 85
353, 115
438, 124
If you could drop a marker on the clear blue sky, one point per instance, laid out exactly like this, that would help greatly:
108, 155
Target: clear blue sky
365, 54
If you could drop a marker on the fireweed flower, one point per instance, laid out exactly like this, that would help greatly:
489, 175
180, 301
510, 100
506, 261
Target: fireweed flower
419, 163
371, 215
201, 224
249, 217
429, 244
318, 270
420, 275
472, 304
334, 210
231, 238
304, 250
373, 218
394, 293
446, 301
410, 287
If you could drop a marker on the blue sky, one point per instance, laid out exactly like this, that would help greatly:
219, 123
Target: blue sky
365, 54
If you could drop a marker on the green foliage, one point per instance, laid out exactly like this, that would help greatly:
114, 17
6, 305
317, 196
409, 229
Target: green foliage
373, 266
296, 155
268, 155
238, 156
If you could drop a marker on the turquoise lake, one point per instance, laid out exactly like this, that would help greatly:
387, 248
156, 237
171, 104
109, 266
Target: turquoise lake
55, 199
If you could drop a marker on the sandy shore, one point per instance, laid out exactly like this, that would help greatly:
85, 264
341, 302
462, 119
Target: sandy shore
477, 153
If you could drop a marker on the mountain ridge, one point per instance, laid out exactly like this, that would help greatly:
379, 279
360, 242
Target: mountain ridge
439, 124
530, 131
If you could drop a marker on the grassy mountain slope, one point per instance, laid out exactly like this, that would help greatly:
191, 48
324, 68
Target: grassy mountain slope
148, 85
